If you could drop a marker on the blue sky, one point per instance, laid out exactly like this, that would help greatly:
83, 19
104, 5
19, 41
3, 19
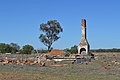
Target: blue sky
20, 20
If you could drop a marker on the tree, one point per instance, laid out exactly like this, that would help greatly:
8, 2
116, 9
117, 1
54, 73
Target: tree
67, 52
15, 47
27, 49
5, 48
51, 31
74, 49
2, 47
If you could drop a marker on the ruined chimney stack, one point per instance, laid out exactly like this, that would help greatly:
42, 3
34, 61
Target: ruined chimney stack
83, 28
83, 22
84, 46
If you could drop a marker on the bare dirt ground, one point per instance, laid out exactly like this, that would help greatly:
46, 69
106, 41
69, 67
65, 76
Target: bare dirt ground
106, 66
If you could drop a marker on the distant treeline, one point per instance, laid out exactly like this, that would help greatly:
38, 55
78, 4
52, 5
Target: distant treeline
106, 50
14, 48
74, 50
29, 49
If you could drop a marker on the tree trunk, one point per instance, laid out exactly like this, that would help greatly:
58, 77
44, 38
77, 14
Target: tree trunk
49, 48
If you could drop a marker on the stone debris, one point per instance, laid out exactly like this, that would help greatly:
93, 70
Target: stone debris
39, 60
115, 62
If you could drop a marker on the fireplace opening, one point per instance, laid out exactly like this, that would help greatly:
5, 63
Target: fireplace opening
82, 51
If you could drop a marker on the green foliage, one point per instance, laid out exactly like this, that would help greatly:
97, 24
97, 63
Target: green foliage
66, 54
51, 31
72, 50
15, 47
34, 51
9, 48
27, 49
4, 48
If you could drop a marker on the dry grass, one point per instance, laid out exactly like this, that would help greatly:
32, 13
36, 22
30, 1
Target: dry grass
105, 67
